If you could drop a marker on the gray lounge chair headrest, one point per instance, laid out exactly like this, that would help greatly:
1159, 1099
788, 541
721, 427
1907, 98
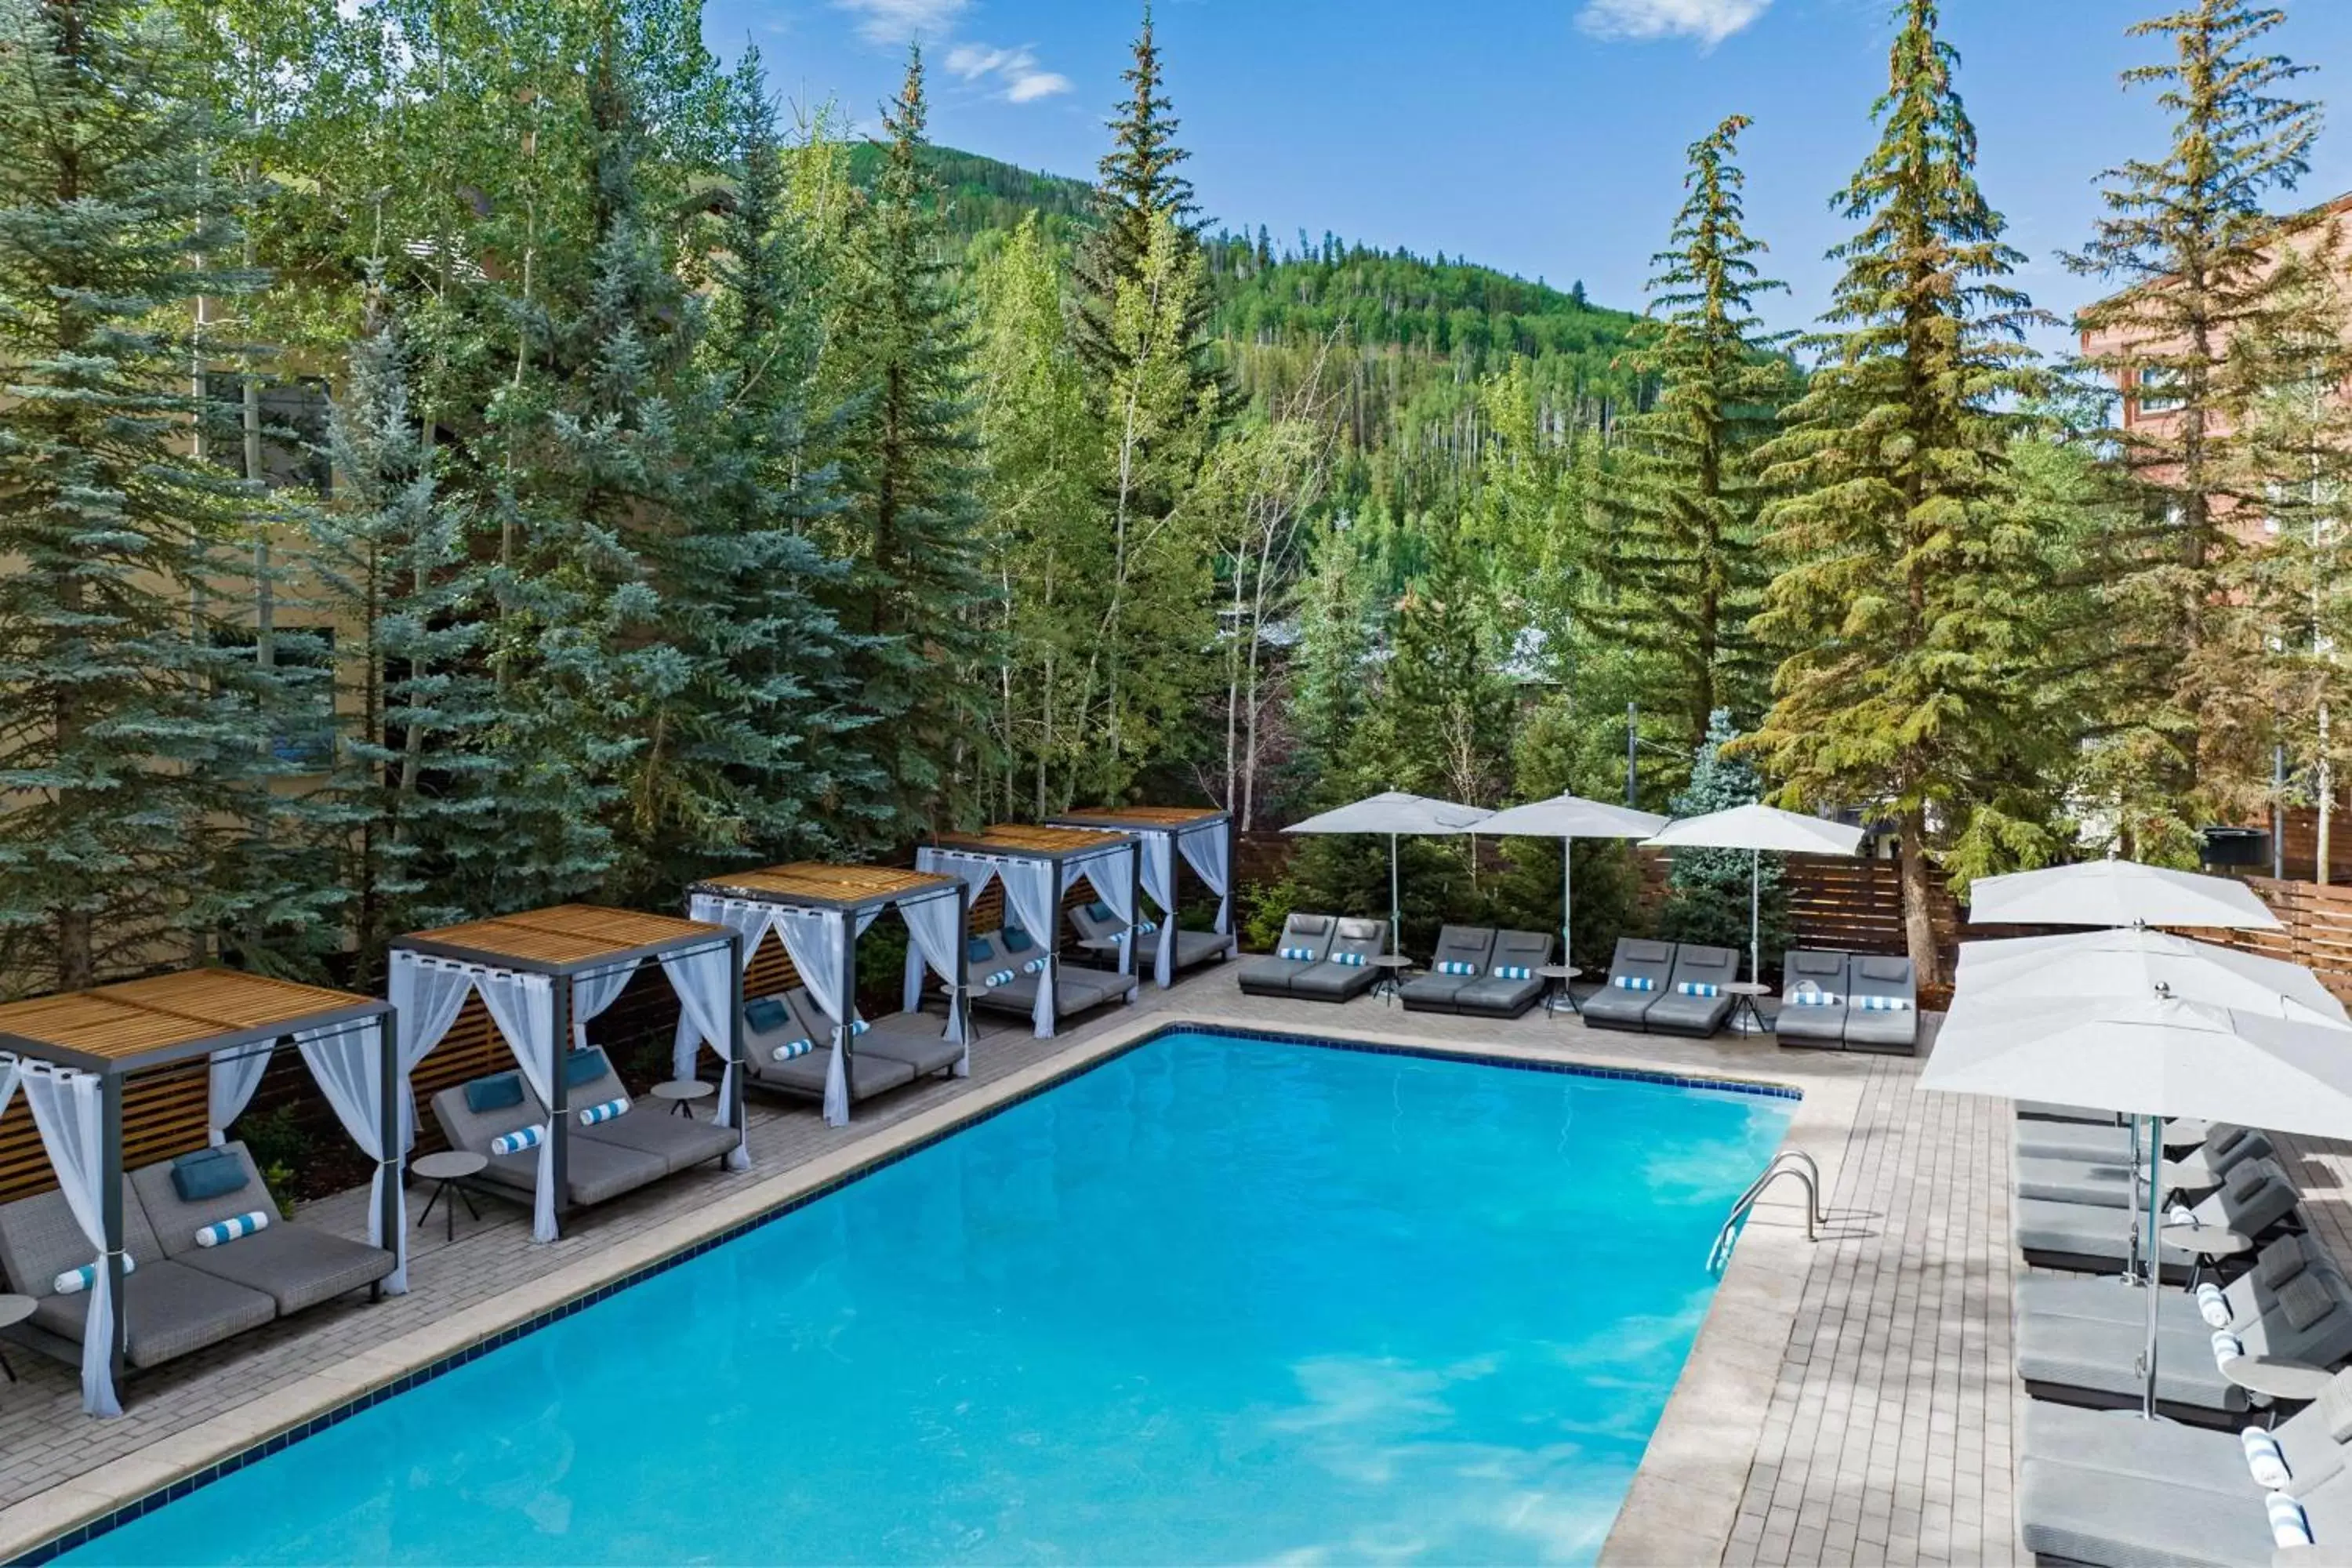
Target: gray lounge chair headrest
1361, 930
2336, 1407
1310, 925
1632, 950
1816, 962
2305, 1300
2244, 1179
1706, 957
2280, 1262
1897, 970
1523, 942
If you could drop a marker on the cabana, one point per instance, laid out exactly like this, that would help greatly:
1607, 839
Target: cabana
818, 913
72, 1053
1037, 865
1204, 838
542, 975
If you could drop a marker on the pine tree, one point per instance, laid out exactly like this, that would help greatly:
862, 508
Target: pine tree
1907, 598
2186, 238
912, 519
138, 737
1710, 893
1679, 561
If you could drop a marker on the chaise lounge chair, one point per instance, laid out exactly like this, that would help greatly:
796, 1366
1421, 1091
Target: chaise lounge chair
2255, 1201
1813, 998
1094, 923
788, 1053
1076, 989
2111, 1184
474, 1115
1637, 978
1462, 956
295, 1265
1694, 1002
1882, 1009
1510, 985
2095, 1362
2099, 1490
1306, 940
1347, 971
680, 1142
916, 1039
2114, 1144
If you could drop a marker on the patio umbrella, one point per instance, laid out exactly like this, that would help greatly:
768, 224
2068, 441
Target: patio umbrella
1569, 818
2117, 893
1396, 814
2136, 962
2152, 1056
1757, 828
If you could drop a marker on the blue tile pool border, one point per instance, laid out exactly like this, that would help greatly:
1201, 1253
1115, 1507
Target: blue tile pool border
170, 1492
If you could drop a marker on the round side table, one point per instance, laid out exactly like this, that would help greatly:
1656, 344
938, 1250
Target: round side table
1745, 1019
14, 1310
1391, 966
682, 1094
1557, 994
450, 1172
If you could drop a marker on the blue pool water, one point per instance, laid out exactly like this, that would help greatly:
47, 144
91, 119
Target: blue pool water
1217, 1301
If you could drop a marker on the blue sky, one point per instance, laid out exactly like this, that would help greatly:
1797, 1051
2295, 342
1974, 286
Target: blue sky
1545, 137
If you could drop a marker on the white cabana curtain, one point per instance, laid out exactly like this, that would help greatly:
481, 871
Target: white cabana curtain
1112, 877
976, 876
932, 928
1034, 892
1160, 882
346, 1060
752, 920
595, 992
1208, 851
705, 988
236, 1074
428, 993
523, 1008
66, 1108
816, 940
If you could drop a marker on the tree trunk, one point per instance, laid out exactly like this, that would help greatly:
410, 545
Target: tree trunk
1919, 927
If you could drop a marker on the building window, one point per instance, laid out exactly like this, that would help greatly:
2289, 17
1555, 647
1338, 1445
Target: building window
2153, 389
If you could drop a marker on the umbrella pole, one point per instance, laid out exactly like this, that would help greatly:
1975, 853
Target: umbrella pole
1396, 933
1567, 900
1755, 916
2155, 1272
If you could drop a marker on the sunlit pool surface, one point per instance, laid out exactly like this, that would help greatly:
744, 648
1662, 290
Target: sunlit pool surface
1219, 1299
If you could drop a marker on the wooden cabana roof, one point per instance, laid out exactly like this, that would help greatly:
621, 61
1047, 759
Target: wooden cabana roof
171, 1017
566, 939
830, 886
1146, 818
1028, 841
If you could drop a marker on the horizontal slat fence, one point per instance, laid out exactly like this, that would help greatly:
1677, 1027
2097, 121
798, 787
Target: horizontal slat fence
2317, 930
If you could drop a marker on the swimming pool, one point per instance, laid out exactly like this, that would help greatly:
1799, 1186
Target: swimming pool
1218, 1299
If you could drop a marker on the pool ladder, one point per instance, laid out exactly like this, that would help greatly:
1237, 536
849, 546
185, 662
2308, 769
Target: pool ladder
1786, 1162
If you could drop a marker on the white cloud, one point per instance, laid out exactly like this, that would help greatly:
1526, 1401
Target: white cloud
1708, 21
897, 21
1015, 70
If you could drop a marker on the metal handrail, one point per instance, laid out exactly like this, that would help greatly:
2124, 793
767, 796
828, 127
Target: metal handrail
1786, 1162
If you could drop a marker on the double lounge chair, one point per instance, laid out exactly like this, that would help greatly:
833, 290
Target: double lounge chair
2256, 1201
1320, 958
1480, 971
1017, 963
2109, 1181
1854, 1001
788, 1047
638, 1147
181, 1296
1094, 923
1661, 988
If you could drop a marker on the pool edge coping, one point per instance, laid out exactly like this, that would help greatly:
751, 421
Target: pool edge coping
82, 1507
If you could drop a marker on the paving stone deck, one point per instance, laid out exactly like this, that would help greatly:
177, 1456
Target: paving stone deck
1851, 1401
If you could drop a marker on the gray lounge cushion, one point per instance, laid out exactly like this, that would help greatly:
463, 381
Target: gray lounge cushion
915, 1038
2112, 1299
1615, 1006
2109, 1183
866, 1075
2083, 1515
1495, 995
1193, 947
1816, 973
1434, 991
168, 1310
2260, 1197
1348, 970
2086, 1354
2083, 1140
593, 1172
1674, 1013
1271, 976
1876, 976
680, 1142
294, 1264
41, 1240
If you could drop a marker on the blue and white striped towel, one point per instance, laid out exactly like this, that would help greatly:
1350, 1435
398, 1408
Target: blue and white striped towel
516, 1141
74, 1281
1514, 971
2213, 1306
1352, 959
1456, 966
1632, 983
2265, 1460
1035, 966
1296, 954
2227, 1346
2180, 1214
1813, 998
858, 1026
604, 1113
220, 1233
1146, 928
796, 1050
1699, 988
1883, 1003
1002, 977
2289, 1526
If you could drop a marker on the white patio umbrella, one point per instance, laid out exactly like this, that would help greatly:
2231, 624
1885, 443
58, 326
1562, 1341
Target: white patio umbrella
1758, 828
1569, 818
2136, 962
1396, 814
2117, 893
2152, 1056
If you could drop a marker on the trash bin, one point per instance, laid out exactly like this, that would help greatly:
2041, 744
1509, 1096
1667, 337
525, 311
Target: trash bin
2236, 846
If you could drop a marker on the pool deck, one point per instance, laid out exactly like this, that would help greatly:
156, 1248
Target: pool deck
1848, 1400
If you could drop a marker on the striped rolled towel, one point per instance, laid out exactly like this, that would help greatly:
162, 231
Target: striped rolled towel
1035, 966
1699, 988
2265, 1460
516, 1141
1296, 954
1514, 971
74, 1281
1351, 960
1883, 1003
2227, 1346
858, 1026
1002, 977
1146, 928
604, 1113
1632, 983
2213, 1306
220, 1233
797, 1048
1456, 966
2289, 1526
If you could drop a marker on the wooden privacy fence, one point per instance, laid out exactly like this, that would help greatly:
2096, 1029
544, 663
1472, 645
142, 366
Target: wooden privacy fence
2317, 930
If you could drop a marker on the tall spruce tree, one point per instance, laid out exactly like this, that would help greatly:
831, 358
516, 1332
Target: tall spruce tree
911, 519
1906, 594
2186, 238
1679, 562
139, 734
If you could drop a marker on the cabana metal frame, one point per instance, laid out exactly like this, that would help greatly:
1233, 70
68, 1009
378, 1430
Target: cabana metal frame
567, 944
1069, 853
852, 896
1201, 836
88, 1043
